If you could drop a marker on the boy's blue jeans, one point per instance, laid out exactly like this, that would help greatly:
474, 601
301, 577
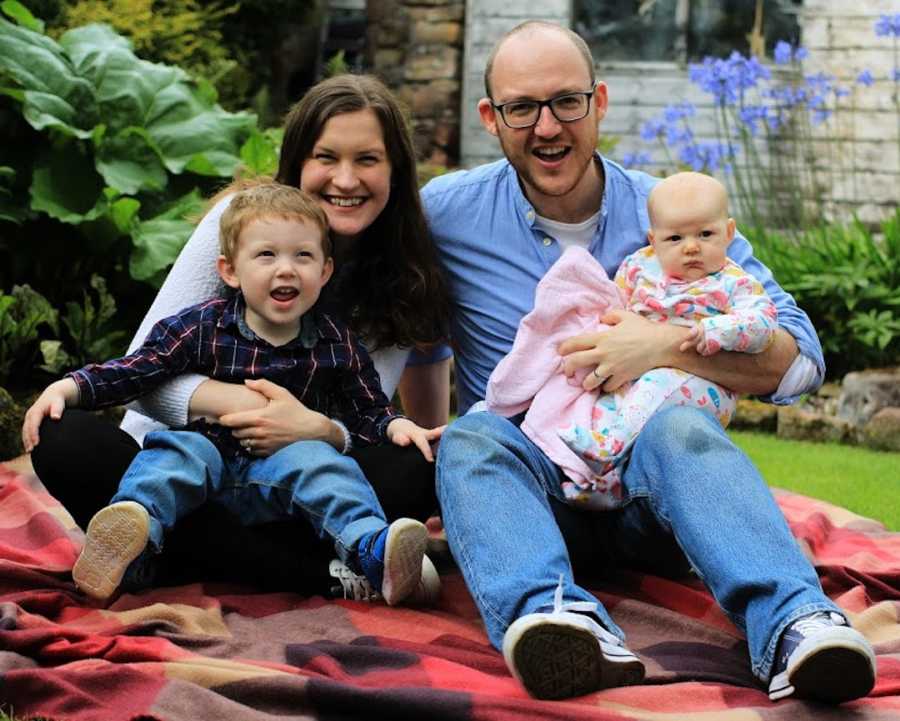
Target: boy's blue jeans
177, 471
686, 484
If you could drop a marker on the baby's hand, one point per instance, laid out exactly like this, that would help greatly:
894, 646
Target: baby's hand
402, 432
697, 339
52, 402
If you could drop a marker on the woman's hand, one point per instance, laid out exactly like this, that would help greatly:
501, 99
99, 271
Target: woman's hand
402, 432
627, 350
284, 420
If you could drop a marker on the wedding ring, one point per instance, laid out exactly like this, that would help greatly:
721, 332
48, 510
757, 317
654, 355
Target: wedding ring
596, 374
247, 443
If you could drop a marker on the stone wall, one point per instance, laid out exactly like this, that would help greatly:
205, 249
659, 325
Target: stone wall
415, 46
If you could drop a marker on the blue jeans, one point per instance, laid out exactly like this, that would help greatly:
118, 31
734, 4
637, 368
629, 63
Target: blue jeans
178, 471
686, 485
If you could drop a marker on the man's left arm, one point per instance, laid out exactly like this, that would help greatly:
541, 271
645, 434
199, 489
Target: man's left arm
635, 345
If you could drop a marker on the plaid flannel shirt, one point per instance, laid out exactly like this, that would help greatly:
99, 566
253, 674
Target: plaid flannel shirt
325, 367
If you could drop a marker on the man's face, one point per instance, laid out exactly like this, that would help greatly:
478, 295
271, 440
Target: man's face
551, 158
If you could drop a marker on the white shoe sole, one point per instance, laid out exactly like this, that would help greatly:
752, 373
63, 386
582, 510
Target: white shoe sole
403, 553
116, 536
834, 666
554, 659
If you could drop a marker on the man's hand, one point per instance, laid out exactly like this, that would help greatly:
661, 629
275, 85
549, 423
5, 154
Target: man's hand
402, 432
283, 420
52, 402
628, 349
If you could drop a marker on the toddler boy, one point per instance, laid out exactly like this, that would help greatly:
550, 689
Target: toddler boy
276, 254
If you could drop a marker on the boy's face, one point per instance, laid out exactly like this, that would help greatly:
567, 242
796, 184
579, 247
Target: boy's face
280, 268
691, 242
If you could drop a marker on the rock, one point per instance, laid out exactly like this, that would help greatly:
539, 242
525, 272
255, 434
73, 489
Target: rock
753, 415
882, 432
803, 425
864, 393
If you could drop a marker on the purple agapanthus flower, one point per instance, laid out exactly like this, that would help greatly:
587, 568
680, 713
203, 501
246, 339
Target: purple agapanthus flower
782, 52
635, 159
707, 155
652, 129
865, 78
888, 26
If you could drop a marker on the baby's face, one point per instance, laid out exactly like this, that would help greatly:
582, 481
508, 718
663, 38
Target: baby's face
689, 243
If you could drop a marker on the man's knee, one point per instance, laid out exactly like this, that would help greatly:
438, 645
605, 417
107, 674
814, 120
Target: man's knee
475, 430
682, 429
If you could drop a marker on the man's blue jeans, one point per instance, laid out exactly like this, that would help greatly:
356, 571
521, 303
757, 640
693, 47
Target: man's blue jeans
179, 471
686, 484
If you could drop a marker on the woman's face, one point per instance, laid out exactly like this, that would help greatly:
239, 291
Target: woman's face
348, 172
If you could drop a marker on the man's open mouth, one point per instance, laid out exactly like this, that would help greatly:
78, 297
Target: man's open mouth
552, 154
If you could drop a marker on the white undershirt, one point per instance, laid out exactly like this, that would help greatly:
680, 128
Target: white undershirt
569, 234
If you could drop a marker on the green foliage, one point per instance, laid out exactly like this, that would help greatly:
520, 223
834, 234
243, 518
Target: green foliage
847, 278
105, 156
336, 65
186, 33
825, 470
91, 338
22, 313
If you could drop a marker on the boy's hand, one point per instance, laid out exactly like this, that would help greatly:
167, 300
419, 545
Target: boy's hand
402, 432
697, 339
52, 402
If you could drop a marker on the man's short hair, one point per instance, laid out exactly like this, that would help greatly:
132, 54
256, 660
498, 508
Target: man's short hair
575, 38
267, 200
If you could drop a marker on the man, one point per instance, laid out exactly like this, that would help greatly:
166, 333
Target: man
690, 496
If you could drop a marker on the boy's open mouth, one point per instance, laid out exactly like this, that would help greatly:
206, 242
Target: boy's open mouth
284, 294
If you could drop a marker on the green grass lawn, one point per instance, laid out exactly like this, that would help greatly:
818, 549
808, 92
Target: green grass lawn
864, 481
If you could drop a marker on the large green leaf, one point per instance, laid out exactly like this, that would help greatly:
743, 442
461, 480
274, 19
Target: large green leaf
158, 241
65, 185
55, 96
129, 162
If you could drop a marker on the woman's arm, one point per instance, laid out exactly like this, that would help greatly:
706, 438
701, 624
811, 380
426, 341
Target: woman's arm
425, 393
193, 278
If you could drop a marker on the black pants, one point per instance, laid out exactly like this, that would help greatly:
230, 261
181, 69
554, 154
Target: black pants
81, 458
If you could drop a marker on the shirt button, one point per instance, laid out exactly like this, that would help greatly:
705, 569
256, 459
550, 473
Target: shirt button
547, 240
530, 215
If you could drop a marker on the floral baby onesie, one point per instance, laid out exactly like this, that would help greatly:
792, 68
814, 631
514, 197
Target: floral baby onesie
736, 314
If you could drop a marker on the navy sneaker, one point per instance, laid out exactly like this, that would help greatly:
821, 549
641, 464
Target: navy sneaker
822, 659
356, 587
565, 652
391, 559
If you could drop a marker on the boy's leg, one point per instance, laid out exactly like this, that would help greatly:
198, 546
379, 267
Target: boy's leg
493, 484
690, 481
175, 473
311, 480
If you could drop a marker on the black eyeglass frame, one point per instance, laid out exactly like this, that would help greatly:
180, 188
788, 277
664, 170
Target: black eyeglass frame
541, 104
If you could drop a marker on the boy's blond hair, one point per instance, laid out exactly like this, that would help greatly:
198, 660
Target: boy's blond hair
261, 199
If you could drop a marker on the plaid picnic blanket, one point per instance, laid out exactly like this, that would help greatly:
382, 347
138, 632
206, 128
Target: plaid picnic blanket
227, 652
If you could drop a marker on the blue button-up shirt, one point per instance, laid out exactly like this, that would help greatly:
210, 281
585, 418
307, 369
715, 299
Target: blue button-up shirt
493, 257
324, 367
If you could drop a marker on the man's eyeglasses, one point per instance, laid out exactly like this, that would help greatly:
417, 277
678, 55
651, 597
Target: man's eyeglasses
565, 108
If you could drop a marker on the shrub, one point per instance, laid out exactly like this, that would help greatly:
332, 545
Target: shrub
847, 278
104, 157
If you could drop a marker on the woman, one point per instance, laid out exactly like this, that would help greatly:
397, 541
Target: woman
347, 144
